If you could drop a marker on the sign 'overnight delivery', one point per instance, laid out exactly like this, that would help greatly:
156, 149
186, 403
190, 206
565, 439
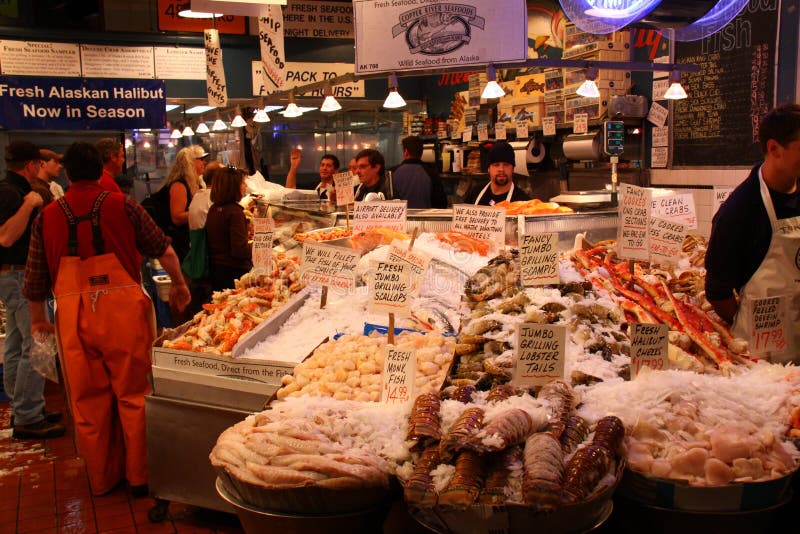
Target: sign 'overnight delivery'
36, 103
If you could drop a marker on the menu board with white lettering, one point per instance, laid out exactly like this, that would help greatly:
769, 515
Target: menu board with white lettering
666, 241
721, 194
399, 375
180, 63
634, 211
480, 222
103, 61
649, 347
343, 182
327, 265
677, 207
263, 230
538, 258
770, 324
388, 288
416, 259
387, 214
32, 58
540, 354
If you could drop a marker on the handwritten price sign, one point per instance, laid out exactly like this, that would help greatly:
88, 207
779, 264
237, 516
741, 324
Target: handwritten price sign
397, 378
263, 229
649, 347
769, 320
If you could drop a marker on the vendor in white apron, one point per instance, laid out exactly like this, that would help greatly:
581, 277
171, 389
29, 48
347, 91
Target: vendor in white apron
768, 310
501, 179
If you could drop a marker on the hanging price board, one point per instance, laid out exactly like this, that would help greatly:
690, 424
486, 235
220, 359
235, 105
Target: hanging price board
522, 130
500, 131
483, 132
580, 124
548, 126
466, 134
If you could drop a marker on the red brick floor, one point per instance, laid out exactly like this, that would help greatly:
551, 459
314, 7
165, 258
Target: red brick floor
44, 489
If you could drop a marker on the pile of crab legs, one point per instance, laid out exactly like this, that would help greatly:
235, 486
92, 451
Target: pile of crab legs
698, 341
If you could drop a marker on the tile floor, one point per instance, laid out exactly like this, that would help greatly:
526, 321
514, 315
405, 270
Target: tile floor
44, 489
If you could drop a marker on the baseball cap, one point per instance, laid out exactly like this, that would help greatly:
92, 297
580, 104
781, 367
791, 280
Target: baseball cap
198, 152
19, 151
47, 155
502, 152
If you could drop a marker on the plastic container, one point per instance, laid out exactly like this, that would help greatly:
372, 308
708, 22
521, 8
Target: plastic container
163, 285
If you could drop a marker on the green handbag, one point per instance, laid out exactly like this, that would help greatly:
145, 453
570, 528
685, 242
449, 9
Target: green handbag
195, 263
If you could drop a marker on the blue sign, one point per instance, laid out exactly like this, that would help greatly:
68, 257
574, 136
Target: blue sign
34, 103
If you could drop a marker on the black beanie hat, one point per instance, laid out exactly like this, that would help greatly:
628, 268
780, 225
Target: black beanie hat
502, 152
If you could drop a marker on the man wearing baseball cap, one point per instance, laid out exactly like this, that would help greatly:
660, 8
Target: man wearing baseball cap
19, 203
501, 182
50, 171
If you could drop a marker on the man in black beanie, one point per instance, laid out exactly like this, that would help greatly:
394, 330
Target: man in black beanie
501, 182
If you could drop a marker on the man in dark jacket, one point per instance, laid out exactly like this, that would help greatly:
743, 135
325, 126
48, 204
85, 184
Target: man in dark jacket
371, 169
412, 178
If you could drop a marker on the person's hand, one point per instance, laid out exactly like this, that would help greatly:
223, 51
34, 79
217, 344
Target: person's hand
179, 297
294, 157
34, 199
42, 329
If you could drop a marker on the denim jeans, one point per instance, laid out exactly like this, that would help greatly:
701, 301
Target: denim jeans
22, 383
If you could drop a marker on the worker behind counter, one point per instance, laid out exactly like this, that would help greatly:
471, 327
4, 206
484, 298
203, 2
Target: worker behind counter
501, 179
754, 247
371, 170
328, 166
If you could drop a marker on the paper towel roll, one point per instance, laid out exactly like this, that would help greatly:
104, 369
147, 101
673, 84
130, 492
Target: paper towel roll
428, 154
520, 162
582, 146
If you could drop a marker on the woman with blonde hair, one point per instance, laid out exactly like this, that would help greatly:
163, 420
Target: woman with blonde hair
183, 181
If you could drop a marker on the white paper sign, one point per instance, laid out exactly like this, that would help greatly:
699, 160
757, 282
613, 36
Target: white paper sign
649, 347
658, 114
549, 126
580, 123
483, 131
344, 182
387, 214
216, 87
666, 241
301, 73
389, 288
263, 229
659, 88
540, 354
721, 194
634, 210
522, 130
327, 265
538, 258
481, 222
661, 136
180, 63
437, 34
270, 37
500, 130
399, 375
659, 156
34, 58
101, 61
770, 324
677, 207
466, 134
317, 20
417, 260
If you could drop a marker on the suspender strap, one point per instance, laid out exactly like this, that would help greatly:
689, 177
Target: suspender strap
73, 221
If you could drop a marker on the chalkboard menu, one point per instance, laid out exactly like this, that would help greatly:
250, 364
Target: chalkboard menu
718, 123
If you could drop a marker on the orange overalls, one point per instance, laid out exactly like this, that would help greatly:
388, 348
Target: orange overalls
106, 326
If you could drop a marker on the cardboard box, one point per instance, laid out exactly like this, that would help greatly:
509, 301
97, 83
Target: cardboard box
612, 87
594, 107
578, 43
555, 110
532, 85
553, 79
530, 110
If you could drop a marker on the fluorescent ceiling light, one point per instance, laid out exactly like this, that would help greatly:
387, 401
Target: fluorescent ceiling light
269, 109
170, 107
200, 109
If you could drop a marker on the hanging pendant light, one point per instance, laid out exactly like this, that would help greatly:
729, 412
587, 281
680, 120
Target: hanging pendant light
238, 121
176, 134
492, 89
675, 91
187, 132
219, 124
202, 128
393, 99
261, 113
589, 88
330, 104
292, 110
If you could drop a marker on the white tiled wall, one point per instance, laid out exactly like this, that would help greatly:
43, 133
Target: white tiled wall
703, 198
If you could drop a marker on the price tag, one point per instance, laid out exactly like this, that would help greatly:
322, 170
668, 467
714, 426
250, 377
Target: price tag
661, 136
483, 131
666, 240
633, 235
540, 354
500, 131
399, 375
721, 194
649, 347
263, 229
327, 265
659, 88
538, 258
549, 126
658, 114
417, 260
522, 130
580, 123
770, 324
388, 288
466, 135
344, 182
659, 156
387, 214
480, 222
678, 207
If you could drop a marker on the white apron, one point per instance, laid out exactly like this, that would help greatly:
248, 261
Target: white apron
778, 278
483, 191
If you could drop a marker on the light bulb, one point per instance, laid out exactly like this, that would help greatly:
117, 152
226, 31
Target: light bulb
202, 128
187, 132
261, 116
330, 104
219, 124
